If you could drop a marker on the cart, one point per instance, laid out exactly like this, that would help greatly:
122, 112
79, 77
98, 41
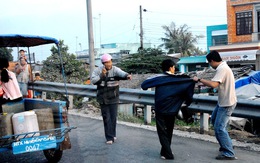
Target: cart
51, 140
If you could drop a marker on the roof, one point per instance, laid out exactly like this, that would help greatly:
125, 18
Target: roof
176, 55
192, 59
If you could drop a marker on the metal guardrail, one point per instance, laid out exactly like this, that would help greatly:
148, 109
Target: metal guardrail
245, 108
201, 103
126, 95
73, 89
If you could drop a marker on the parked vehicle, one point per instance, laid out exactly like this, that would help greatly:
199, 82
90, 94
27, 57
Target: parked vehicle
34, 124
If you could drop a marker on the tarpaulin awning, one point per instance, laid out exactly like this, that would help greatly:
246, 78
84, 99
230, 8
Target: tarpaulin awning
255, 78
18, 40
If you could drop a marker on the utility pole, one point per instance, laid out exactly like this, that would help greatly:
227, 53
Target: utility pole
141, 30
90, 37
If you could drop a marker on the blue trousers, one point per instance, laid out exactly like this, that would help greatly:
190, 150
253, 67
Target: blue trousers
220, 117
109, 115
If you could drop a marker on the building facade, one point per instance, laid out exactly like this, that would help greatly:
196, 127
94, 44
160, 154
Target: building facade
243, 31
217, 35
192, 63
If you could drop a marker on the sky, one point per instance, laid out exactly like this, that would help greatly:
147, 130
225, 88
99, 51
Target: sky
114, 21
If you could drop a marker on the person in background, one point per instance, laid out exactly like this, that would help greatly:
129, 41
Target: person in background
107, 77
37, 94
24, 75
38, 77
171, 93
225, 82
11, 90
22, 54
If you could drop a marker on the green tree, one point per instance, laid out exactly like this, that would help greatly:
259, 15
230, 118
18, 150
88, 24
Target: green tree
146, 61
73, 69
198, 51
6, 53
179, 40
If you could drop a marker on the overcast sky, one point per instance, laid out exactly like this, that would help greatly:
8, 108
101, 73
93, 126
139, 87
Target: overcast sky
114, 21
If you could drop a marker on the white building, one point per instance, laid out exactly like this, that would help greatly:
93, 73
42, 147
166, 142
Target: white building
117, 50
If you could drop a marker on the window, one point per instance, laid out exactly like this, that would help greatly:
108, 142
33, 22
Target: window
244, 23
219, 40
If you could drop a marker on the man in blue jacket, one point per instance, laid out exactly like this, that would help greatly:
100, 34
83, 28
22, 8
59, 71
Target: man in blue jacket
171, 92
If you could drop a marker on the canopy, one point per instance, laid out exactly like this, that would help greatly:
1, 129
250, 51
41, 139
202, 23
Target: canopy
16, 40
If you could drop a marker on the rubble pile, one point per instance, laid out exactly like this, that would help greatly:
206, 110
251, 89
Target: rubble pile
207, 73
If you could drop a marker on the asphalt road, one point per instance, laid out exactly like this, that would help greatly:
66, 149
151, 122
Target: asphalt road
134, 145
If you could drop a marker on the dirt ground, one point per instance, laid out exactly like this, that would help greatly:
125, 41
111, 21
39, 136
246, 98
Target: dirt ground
238, 135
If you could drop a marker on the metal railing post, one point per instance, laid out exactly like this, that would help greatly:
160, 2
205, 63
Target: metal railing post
44, 95
70, 101
204, 122
147, 114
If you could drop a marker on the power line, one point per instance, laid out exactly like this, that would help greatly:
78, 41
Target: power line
153, 30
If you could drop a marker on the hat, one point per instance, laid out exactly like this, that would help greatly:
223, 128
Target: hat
106, 58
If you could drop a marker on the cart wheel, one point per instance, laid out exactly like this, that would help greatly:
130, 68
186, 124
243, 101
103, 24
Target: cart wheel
53, 155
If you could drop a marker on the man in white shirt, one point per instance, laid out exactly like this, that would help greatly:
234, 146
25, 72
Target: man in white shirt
225, 82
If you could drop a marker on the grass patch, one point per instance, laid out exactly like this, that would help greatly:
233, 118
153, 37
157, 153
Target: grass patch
140, 120
131, 119
180, 122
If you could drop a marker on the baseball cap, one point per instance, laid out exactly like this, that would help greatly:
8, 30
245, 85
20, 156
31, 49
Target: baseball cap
106, 58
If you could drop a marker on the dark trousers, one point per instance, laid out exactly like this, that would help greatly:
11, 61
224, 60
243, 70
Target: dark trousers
165, 125
109, 114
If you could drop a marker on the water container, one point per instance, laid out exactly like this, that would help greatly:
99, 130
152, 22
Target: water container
45, 120
6, 127
25, 122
